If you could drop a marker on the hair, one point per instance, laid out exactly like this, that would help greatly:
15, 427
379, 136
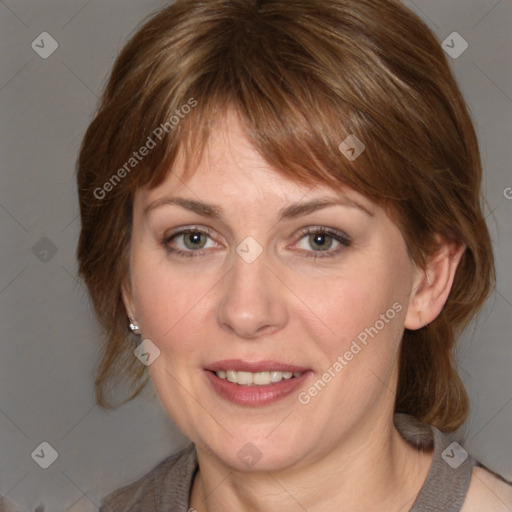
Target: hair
301, 77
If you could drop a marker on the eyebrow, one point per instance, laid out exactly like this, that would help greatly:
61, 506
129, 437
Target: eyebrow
292, 211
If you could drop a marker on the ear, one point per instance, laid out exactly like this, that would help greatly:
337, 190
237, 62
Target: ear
432, 285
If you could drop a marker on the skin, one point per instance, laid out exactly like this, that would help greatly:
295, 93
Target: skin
339, 450
487, 492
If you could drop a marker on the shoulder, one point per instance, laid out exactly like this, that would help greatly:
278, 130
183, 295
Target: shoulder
488, 492
466, 486
167, 483
7, 506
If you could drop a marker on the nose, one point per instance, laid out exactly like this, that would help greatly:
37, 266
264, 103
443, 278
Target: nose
253, 301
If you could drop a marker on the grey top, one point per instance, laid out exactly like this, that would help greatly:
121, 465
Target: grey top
166, 488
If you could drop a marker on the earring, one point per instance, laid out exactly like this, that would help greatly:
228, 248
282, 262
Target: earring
134, 327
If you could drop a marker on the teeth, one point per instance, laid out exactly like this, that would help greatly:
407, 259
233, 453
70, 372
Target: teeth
276, 376
245, 378
261, 378
257, 378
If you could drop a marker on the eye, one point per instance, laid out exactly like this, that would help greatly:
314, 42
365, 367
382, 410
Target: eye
322, 240
189, 242
193, 242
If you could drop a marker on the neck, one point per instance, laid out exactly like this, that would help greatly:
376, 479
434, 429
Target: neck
372, 469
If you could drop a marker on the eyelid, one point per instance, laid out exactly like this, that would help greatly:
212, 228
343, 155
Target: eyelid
342, 238
183, 230
186, 229
324, 229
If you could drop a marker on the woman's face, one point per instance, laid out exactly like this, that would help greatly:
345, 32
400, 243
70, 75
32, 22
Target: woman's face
271, 277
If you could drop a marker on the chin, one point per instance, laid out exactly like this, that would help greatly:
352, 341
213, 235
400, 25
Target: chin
256, 452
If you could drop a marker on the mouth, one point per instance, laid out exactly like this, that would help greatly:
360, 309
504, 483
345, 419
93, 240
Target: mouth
255, 383
256, 379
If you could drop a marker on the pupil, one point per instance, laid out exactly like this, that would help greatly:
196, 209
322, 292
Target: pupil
320, 241
193, 240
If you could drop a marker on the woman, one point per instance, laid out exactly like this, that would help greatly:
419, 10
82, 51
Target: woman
281, 201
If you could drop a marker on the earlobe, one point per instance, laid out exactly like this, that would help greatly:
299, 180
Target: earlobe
432, 285
126, 294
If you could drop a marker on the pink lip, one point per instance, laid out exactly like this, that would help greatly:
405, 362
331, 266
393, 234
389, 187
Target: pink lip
255, 396
254, 366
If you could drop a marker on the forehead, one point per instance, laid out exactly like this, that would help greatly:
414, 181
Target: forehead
232, 170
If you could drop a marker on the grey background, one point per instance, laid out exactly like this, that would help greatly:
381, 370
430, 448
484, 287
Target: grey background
49, 337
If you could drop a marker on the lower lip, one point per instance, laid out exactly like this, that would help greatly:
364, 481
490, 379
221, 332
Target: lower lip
255, 396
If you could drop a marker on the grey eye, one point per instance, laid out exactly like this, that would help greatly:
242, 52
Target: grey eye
320, 241
194, 240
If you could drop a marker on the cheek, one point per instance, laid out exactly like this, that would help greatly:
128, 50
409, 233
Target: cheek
344, 303
358, 314
163, 297
175, 306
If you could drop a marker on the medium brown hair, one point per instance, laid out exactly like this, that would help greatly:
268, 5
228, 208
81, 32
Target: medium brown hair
302, 76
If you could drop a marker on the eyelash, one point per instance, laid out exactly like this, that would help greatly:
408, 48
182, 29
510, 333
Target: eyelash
340, 237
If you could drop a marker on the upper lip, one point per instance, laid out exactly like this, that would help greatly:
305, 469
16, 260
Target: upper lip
254, 366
